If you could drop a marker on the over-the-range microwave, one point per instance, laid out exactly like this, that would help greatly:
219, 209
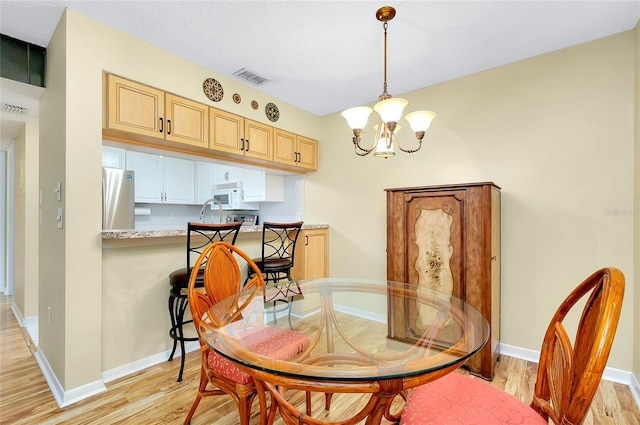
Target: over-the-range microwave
233, 199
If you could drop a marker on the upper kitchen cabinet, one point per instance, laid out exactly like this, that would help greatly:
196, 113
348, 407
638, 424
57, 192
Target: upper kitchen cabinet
258, 186
237, 135
225, 174
292, 149
113, 157
187, 121
141, 110
162, 179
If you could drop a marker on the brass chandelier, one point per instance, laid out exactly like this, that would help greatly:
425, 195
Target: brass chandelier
389, 110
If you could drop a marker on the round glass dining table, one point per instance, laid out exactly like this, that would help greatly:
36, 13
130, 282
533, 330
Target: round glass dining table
354, 343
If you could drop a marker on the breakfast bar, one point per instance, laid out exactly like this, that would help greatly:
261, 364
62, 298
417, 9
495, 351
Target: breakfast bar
136, 264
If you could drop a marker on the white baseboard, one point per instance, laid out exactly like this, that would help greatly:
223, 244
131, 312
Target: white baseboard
610, 373
635, 389
62, 397
65, 398
152, 360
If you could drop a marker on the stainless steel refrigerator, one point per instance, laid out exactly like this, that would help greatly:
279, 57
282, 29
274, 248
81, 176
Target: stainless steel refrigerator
118, 202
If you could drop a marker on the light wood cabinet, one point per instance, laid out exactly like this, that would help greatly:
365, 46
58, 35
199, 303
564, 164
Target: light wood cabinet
312, 260
139, 114
292, 149
146, 111
237, 135
447, 238
134, 107
187, 121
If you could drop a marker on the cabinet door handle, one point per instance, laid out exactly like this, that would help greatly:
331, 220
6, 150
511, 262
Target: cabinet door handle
161, 126
242, 147
297, 156
247, 149
306, 240
168, 126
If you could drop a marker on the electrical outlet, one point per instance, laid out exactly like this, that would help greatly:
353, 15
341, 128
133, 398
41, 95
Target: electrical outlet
298, 215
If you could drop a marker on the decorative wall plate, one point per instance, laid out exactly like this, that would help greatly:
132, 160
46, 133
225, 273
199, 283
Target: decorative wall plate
254, 104
213, 89
272, 111
236, 98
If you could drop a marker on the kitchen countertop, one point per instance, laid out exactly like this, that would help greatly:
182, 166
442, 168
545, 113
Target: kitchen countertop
163, 233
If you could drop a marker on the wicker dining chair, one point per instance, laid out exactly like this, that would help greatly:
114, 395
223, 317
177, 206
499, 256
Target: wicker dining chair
223, 279
568, 373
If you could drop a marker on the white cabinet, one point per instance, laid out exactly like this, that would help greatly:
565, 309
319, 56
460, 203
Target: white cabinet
224, 174
162, 179
113, 157
258, 186
205, 174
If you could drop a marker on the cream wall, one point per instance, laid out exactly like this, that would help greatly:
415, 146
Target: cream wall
555, 132
26, 223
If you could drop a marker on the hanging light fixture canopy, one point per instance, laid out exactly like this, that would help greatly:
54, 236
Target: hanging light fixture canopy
389, 111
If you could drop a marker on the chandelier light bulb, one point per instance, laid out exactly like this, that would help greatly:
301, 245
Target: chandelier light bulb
390, 110
357, 117
420, 120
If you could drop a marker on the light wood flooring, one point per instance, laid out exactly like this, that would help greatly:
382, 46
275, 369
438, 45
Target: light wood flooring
152, 396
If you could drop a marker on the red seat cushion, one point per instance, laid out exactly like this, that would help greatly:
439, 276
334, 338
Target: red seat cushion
457, 399
277, 343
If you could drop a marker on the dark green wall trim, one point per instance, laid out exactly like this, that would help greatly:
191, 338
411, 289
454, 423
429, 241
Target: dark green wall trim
22, 61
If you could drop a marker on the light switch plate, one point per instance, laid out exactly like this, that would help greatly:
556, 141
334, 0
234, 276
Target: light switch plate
59, 218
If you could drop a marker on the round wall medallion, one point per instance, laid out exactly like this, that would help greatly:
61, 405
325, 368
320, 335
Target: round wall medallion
254, 104
213, 89
272, 111
236, 98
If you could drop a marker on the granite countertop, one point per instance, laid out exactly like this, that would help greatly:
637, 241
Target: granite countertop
164, 233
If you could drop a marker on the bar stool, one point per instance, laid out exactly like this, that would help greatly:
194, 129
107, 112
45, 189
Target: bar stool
199, 235
278, 253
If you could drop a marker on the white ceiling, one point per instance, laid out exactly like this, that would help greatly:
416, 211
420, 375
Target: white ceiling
325, 56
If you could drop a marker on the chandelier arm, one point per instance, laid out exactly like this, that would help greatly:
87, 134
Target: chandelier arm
356, 144
409, 150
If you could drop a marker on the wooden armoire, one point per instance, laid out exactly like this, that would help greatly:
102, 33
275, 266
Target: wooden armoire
447, 238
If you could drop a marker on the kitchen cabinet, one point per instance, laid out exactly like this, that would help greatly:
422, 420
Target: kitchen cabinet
446, 238
142, 110
205, 172
225, 174
237, 135
162, 179
258, 186
139, 114
113, 157
187, 121
292, 149
311, 261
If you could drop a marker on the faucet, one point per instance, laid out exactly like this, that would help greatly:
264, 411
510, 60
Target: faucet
204, 207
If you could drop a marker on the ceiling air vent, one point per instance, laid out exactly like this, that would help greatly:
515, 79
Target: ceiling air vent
250, 76
14, 109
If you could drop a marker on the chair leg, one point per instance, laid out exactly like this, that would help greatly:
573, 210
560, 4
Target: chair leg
244, 407
172, 315
183, 303
201, 389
